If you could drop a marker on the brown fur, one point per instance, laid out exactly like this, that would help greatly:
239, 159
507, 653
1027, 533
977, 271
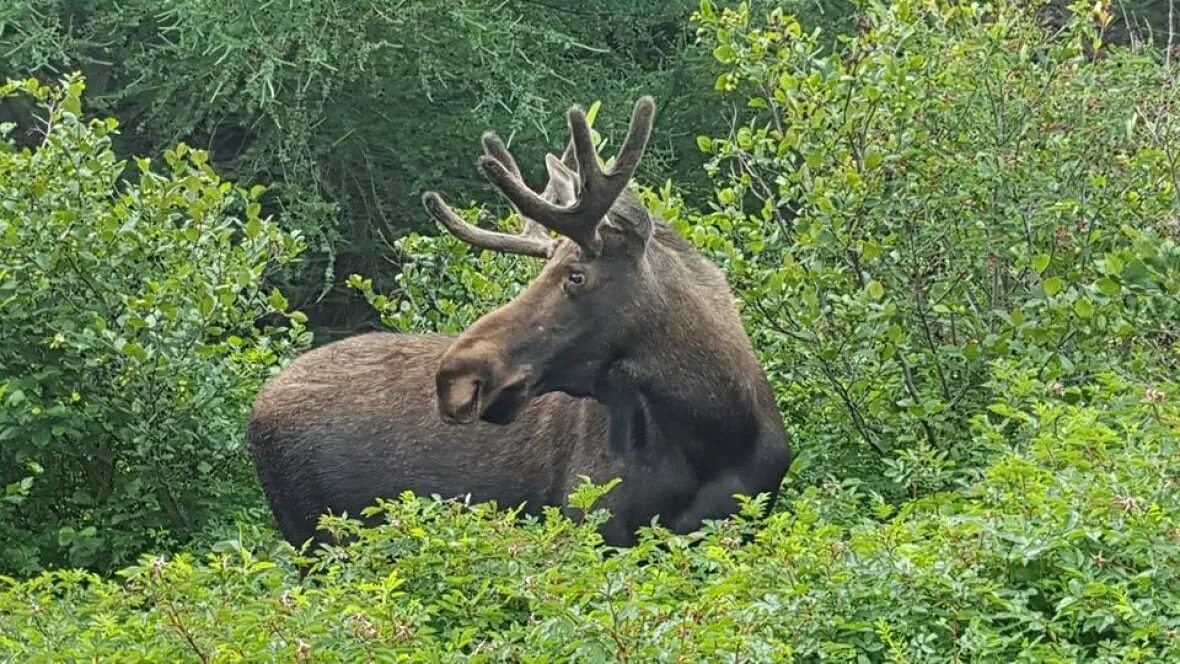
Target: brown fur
356, 420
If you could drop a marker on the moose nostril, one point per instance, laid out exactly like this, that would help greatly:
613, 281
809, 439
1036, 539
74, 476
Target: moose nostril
459, 399
466, 412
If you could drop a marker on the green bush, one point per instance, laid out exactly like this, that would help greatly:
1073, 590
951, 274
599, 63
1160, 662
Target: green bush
955, 184
130, 349
1066, 549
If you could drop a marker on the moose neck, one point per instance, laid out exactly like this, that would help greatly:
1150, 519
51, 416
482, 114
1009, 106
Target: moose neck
693, 380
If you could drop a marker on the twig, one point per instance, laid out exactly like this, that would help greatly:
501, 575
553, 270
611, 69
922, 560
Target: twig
177, 624
857, 420
913, 392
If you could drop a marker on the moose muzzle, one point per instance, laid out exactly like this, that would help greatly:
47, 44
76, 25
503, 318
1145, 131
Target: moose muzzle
474, 382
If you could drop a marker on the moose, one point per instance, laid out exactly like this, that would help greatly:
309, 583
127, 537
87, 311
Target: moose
625, 358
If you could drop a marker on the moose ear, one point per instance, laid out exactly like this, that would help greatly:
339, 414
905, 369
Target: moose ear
627, 226
564, 184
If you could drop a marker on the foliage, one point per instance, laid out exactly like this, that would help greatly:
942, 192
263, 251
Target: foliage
894, 220
130, 349
1066, 549
954, 238
444, 285
955, 184
351, 109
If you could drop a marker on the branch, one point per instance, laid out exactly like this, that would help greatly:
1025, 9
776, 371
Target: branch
858, 421
910, 387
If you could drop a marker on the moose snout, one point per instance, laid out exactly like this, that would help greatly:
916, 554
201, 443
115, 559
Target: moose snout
459, 398
474, 381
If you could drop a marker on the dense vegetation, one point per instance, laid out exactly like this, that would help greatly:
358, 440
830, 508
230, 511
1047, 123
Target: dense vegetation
953, 230
346, 110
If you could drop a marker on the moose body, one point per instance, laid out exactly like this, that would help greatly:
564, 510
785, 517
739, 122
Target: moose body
625, 358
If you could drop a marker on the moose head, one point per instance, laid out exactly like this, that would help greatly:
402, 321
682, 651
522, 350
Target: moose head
579, 319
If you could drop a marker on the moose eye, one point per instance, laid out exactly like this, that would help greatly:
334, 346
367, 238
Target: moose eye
574, 279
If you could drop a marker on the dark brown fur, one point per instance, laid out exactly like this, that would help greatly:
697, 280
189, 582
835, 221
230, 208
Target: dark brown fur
642, 371
356, 420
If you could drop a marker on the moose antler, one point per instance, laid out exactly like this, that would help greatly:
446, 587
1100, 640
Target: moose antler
533, 240
578, 220
599, 190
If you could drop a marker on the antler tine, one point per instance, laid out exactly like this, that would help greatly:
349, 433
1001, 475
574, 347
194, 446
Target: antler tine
525, 243
599, 189
495, 148
567, 157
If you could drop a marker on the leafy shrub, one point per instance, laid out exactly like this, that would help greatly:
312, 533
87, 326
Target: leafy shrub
443, 285
1066, 549
130, 349
955, 184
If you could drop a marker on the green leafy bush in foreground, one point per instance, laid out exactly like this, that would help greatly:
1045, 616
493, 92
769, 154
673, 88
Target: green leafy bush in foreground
129, 350
1068, 548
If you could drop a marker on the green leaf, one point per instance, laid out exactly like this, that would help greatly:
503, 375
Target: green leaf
1136, 271
72, 104
971, 351
253, 228
276, 300
745, 138
1108, 287
1040, 263
134, 350
592, 112
875, 290
704, 143
1053, 286
725, 54
1113, 264
1083, 308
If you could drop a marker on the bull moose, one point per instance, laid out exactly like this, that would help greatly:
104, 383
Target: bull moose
625, 358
